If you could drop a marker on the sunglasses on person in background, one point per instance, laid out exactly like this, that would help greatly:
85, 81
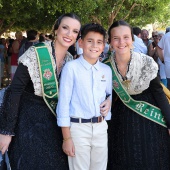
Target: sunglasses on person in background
155, 36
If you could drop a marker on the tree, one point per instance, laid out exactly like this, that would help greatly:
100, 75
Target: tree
136, 12
40, 15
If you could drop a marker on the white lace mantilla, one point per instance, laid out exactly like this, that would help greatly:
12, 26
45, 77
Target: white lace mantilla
29, 59
142, 70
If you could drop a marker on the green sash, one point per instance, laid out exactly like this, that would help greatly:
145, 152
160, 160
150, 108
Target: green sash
142, 108
49, 82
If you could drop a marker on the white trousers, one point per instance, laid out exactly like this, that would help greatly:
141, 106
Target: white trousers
91, 146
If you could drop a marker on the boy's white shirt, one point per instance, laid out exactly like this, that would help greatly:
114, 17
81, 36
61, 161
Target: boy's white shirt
83, 87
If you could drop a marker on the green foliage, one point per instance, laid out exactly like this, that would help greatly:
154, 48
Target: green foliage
40, 15
136, 12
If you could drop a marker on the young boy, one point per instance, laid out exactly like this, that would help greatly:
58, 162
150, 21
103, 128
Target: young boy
85, 84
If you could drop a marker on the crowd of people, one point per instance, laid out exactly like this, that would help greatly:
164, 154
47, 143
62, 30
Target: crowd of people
152, 47
11, 49
84, 99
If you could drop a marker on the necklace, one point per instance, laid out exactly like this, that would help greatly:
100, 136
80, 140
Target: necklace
59, 64
125, 81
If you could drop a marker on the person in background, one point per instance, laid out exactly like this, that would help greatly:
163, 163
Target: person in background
2, 57
161, 65
105, 52
9, 53
152, 47
138, 44
79, 50
106, 48
4, 42
145, 37
42, 37
72, 51
32, 39
24, 39
138, 132
163, 51
15, 51
50, 37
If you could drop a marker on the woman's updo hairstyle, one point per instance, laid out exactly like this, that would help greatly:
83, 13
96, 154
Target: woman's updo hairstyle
58, 21
117, 24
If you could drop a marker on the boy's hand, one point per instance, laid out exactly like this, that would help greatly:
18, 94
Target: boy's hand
169, 131
4, 142
105, 107
68, 148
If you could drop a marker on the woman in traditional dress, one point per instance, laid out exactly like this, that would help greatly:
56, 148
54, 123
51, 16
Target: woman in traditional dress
138, 135
37, 140
30, 115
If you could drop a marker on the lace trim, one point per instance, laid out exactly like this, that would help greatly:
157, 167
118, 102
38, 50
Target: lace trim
142, 70
29, 59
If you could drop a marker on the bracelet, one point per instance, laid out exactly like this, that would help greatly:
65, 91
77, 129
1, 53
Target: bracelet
107, 96
64, 140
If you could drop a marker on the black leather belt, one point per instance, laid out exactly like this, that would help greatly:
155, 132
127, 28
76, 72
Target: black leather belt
92, 120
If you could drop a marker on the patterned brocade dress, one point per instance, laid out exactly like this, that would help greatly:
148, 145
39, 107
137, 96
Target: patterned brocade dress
136, 143
37, 144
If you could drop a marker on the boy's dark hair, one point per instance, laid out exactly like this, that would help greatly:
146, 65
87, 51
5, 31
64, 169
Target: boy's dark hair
117, 24
92, 27
31, 34
136, 31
